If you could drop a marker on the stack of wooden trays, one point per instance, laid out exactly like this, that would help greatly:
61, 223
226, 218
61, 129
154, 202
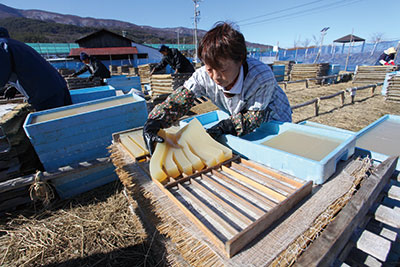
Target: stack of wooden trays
372, 74
65, 72
144, 72
17, 155
393, 89
307, 71
113, 69
77, 82
167, 83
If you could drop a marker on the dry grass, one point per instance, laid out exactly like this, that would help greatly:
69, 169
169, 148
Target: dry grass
99, 229
353, 117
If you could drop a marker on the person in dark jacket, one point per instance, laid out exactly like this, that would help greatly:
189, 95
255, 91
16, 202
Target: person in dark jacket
175, 59
94, 66
31, 74
387, 57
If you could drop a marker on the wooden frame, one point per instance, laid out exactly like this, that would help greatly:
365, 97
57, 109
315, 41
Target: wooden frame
233, 202
328, 246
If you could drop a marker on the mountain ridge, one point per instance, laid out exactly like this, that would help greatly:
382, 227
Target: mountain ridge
139, 33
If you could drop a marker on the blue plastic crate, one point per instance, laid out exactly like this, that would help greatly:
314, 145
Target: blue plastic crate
91, 93
84, 177
374, 142
82, 131
307, 169
124, 83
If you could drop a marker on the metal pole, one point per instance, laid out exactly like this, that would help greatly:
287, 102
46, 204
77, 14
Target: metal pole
196, 18
348, 53
323, 32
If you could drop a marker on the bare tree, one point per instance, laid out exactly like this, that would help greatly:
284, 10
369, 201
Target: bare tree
306, 43
376, 38
316, 39
295, 43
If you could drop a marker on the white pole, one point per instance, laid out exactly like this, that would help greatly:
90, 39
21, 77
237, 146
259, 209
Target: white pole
196, 14
348, 53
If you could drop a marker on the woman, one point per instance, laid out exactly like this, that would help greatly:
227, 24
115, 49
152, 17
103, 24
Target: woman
243, 87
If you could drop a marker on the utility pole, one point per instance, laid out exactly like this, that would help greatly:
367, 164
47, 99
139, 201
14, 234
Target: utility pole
196, 20
323, 33
177, 32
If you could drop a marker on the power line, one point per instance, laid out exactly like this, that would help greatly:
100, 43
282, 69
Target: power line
305, 12
280, 11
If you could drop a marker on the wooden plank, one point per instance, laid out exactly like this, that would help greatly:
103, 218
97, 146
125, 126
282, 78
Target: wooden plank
271, 173
270, 182
210, 169
232, 194
275, 195
326, 248
394, 192
208, 210
250, 191
252, 231
221, 202
374, 245
388, 216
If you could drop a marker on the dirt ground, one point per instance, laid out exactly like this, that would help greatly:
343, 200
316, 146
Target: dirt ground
99, 229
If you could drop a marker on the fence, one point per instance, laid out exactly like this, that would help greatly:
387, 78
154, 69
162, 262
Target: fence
352, 91
366, 54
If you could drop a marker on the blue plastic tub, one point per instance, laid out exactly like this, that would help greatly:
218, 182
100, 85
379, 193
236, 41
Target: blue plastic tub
250, 146
91, 93
81, 132
333, 70
124, 83
279, 72
380, 139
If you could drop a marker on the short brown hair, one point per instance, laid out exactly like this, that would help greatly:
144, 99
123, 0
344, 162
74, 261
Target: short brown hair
222, 41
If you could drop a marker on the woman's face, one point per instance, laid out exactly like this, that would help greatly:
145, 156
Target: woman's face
226, 76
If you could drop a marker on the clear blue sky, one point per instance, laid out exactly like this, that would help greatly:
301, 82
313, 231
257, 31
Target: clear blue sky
261, 21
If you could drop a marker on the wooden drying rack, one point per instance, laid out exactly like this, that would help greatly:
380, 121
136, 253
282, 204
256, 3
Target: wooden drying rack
232, 202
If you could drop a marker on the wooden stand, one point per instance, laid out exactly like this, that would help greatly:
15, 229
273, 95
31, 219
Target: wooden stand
233, 202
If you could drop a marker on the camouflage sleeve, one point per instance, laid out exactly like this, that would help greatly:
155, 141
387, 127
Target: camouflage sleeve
174, 107
248, 121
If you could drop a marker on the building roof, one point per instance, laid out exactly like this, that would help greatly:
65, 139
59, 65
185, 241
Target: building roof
53, 48
99, 32
129, 50
349, 38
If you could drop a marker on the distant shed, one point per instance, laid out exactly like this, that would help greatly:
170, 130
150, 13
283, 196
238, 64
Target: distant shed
103, 38
107, 45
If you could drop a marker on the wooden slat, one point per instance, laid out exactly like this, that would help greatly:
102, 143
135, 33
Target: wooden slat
214, 239
275, 195
273, 174
250, 191
209, 211
270, 182
221, 202
252, 231
326, 248
232, 194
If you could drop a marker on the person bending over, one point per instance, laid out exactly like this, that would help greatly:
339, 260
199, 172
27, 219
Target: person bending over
243, 87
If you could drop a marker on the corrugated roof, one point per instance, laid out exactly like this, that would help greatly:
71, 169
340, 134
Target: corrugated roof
53, 48
104, 51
